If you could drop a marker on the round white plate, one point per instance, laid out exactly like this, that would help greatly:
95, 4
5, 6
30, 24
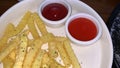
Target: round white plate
97, 55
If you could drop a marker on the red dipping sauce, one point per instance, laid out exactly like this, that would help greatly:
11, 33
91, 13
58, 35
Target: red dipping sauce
54, 11
82, 29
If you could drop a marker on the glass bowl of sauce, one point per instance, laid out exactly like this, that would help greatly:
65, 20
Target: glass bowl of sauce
54, 12
83, 29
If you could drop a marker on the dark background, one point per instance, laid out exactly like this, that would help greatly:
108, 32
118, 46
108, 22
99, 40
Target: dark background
103, 7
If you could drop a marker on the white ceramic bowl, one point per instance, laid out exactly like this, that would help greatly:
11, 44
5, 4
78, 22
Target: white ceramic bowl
50, 22
89, 17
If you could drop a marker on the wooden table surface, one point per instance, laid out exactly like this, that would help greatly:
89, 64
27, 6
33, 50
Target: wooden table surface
103, 7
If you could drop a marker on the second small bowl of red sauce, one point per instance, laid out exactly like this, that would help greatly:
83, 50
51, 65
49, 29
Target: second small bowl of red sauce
54, 12
83, 29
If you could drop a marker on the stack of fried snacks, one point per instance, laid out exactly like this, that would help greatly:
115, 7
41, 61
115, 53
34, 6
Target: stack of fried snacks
19, 50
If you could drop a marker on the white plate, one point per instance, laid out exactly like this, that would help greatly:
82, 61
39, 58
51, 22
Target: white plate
98, 55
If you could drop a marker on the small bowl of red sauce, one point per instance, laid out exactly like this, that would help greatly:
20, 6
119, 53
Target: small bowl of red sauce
83, 29
54, 12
